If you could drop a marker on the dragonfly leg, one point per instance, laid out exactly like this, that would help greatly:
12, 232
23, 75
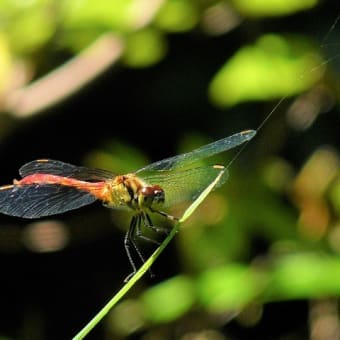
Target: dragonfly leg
148, 223
127, 244
145, 218
129, 240
135, 231
164, 214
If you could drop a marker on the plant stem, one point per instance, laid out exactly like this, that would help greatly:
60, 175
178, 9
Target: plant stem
146, 266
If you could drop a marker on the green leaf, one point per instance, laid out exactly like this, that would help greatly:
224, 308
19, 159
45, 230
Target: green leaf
305, 276
177, 296
259, 8
272, 68
177, 16
228, 287
144, 48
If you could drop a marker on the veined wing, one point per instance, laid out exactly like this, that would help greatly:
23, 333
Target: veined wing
53, 167
185, 185
202, 152
38, 200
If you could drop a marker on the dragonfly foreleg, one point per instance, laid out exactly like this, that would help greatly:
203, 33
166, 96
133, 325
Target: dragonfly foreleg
164, 214
148, 223
129, 240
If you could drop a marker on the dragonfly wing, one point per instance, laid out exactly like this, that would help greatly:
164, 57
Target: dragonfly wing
38, 200
53, 167
185, 185
202, 152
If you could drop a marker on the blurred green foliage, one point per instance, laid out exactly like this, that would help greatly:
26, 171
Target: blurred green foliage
266, 71
177, 296
272, 233
177, 16
272, 7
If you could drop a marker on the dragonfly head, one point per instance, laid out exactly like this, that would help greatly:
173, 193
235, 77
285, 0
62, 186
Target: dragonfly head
151, 196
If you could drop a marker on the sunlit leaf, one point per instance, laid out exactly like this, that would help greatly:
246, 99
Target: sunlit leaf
304, 276
169, 299
228, 287
271, 68
177, 16
29, 25
144, 48
5, 63
272, 7
110, 14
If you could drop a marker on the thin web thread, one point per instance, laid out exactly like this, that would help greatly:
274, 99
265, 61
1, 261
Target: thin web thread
325, 62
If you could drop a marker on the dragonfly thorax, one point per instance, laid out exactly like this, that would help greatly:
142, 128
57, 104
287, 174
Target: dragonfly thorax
132, 192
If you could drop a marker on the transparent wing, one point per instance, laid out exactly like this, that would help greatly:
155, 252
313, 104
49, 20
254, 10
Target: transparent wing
53, 167
185, 185
38, 200
200, 153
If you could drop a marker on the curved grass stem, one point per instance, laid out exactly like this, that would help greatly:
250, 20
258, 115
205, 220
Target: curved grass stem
147, 265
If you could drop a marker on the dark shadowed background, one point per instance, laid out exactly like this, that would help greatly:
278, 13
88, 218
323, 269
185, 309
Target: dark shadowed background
119, 84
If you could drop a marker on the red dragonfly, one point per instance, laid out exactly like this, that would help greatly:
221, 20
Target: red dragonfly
50, 187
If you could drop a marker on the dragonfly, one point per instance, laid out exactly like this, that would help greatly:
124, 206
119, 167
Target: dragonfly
49, 187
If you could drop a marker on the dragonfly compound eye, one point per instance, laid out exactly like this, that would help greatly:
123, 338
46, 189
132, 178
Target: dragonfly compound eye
150, 195
158, 194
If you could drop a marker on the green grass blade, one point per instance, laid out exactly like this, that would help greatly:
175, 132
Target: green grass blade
147, 265
202, 196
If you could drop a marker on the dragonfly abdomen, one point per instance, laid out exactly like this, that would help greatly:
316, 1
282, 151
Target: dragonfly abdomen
97, 189
41, 195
